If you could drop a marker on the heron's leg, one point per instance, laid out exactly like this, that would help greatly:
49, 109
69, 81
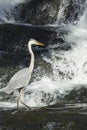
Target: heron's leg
25, 104
19, 99
19, 96
18, 102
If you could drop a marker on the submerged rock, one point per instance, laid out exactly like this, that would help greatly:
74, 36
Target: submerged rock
52, 119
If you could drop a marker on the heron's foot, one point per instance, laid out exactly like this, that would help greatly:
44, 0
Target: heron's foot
30, 109
14, 112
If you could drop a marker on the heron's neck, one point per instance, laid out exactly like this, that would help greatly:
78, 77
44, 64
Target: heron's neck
32, 58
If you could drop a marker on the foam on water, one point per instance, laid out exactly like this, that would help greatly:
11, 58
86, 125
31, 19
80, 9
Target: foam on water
38, 94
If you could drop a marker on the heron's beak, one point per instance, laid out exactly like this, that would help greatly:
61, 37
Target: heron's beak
40, 44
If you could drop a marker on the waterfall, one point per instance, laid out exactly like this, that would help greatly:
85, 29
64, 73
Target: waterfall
60, 16
68, 67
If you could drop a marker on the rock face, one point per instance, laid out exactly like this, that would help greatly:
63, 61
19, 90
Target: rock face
46, 11
38, 12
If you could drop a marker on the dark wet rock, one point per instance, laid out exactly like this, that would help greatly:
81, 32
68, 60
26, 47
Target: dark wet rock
46, 11
77, 95
14, 37
42, 120
38, 12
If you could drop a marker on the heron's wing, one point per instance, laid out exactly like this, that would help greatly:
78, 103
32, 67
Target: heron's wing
20, 79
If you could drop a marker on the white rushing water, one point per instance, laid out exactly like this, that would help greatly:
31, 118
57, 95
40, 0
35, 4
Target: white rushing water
69, 69
7, 10
60, 16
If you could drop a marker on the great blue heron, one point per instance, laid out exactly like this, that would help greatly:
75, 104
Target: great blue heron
20, 79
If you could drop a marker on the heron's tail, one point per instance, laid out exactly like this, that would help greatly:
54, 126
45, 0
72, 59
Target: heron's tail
2, 89
5, 90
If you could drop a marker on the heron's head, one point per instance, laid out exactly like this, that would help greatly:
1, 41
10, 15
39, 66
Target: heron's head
35, 42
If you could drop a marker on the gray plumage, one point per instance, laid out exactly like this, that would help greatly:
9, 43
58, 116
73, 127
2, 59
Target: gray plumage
22, 77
